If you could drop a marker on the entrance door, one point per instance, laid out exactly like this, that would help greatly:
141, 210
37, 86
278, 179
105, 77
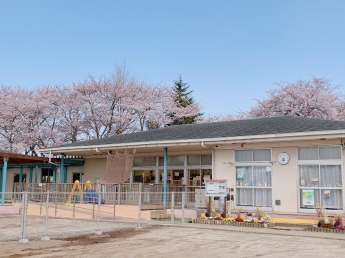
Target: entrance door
77, 176
47, 175
16, 180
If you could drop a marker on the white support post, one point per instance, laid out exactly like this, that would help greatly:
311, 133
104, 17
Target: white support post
114, 201
46, 237
56, 196
183, 204
98, 230
93, 207
139, 206
118, 194
172, 207
23, 239
73, 206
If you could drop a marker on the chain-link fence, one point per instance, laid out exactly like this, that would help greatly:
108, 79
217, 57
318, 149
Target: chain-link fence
58, 213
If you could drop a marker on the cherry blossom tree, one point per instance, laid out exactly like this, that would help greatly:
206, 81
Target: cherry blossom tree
71, 122
92, 109
217, 118
26, 118
10, 126
149, 105
315, 98
104, 102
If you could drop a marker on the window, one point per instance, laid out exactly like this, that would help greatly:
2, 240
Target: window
258, 155
197, 177
319, 153
253, 186
193, 160
253, 183
144, 176
47, 175
206, 159
320, 181
144, 161
172, 161
174, 176
199, 160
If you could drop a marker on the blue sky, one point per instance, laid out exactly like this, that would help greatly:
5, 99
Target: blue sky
229, 52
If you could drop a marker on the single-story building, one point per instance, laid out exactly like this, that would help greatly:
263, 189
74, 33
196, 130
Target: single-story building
16, 169
284, 164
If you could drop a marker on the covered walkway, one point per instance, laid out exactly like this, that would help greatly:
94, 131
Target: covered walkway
33, 163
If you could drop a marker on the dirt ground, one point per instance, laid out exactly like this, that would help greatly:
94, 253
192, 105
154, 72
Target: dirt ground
126, 240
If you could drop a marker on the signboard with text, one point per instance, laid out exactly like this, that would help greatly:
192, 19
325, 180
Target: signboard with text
216, 187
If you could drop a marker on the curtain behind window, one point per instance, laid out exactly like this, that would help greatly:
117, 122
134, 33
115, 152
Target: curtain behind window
330, 152
309, 153
244, 197
263, 197
262, 155
243, 155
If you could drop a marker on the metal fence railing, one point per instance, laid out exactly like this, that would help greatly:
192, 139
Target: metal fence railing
53, 211
132, 189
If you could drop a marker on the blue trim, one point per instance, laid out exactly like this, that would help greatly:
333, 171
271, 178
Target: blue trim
70, 163
21, 175
54, 174
36, 174
65, 176
1, 179
3, 188
62, 170
30, 175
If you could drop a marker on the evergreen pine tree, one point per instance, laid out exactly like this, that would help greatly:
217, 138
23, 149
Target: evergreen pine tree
183, 98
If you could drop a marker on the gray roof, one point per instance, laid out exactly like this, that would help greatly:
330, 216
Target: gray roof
248, 127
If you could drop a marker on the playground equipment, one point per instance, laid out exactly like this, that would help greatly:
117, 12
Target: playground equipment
76, 195
90, 195
87, 196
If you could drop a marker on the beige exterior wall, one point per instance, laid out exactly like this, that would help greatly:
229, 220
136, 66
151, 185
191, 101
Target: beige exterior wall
223, 167
10, 176
72, 170
285, 178
94, 168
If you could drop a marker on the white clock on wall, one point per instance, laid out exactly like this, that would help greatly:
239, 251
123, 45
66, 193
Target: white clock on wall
283, 158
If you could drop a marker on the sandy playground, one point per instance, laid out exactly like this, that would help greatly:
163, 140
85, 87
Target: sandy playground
124, 239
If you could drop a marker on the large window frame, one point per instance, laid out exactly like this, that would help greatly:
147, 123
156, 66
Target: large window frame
320, 178
253, 177
190, 170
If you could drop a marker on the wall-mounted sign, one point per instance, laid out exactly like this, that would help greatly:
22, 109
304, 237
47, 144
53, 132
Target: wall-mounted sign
216, 187
240, 173
308, 197
327, 194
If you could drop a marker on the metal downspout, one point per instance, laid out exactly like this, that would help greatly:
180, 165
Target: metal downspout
203, 145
